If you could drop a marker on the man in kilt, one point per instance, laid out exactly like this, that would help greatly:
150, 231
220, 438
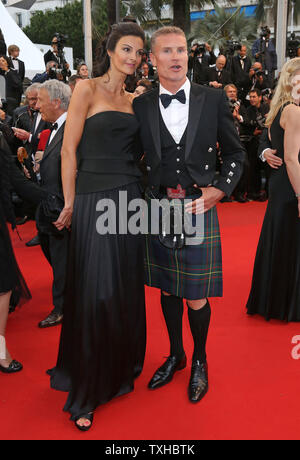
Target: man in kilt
181, 124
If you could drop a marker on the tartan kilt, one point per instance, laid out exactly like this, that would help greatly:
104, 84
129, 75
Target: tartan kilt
193, 272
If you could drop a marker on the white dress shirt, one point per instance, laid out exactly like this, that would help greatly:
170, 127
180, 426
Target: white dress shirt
176, 115
15, 63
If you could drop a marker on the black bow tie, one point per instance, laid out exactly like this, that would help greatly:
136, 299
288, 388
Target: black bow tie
53, 127
166, 99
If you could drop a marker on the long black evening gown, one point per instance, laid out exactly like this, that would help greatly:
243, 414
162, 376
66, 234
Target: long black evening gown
11, 278
275, 291
103, 336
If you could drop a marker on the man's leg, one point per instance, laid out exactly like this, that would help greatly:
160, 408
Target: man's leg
172, 308
199, 314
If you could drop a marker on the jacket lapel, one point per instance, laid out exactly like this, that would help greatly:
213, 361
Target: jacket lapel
153, 114
197, 98
57, 138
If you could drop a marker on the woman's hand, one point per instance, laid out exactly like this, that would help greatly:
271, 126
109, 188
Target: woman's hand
64, 220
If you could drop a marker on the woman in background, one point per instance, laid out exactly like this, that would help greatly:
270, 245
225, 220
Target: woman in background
275, 291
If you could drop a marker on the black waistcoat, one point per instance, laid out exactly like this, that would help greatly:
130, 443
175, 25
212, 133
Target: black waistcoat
173, 167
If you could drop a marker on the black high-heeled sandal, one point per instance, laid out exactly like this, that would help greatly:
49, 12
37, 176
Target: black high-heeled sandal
14, 367
89, 417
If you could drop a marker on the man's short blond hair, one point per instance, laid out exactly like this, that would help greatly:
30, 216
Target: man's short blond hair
167, 30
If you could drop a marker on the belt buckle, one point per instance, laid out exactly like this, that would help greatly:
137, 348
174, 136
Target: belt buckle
176, 193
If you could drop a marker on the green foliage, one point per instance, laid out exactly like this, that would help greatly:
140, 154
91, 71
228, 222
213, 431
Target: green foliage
68, 21
218, 28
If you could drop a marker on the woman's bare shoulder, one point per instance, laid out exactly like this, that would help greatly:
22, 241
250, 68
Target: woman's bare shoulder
291, 115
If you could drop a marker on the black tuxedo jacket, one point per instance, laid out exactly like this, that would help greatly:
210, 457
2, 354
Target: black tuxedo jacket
50, 166
21, 71
239, 76
210, 121
212, 75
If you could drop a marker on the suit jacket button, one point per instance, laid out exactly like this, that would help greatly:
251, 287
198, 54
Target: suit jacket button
210, 149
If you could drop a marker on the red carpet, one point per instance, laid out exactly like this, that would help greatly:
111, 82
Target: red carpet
254, 382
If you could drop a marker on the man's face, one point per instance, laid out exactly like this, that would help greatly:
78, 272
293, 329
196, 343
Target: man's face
145, 70
255, 100
221, 62
54, 44
48, 109
243, 51
170, 57
231, 93
32, 99
15, 54
139, 90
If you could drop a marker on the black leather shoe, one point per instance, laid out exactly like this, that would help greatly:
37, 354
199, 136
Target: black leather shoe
14, 367
52, 320
165, 373
34, 242
240, 198
22, 220
198, 386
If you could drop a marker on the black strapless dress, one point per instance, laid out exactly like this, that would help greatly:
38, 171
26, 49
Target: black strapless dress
275, 290
103, 336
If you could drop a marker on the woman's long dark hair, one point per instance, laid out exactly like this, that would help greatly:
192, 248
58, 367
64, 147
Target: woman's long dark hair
109, 42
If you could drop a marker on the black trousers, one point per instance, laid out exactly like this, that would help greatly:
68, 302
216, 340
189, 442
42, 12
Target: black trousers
55, 249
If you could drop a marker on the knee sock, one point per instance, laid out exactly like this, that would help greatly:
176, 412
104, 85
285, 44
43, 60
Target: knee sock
172, 308
199, 323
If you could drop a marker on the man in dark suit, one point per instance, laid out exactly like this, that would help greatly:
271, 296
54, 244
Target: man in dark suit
53, 101
240, 68
180, 126
19, 66
217, 76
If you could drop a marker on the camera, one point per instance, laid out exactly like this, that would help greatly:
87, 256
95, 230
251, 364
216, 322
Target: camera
292, 46
233, 46
265, 31
201, 49
259, 122
259, 73
234, 105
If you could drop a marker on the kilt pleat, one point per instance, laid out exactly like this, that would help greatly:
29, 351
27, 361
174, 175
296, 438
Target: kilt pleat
193, 272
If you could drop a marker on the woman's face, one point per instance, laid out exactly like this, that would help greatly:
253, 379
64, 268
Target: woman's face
3, 64
296, 86
84, 71
127, 56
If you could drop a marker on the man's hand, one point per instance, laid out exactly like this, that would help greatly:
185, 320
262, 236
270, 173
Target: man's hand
272, 159
210, 197
215, 84
257, 132
21, 134
64, 220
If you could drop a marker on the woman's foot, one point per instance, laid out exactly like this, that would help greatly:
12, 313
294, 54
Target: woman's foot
85, 422
9, 365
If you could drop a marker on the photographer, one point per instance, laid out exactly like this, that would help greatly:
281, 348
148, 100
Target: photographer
52, 73
200, 58
57, 55
264, 51
250, 135
13, 84
239, 114
256, 80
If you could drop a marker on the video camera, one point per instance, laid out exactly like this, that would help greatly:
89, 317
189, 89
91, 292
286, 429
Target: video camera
62, 66
201, 49
232, 46
61, 40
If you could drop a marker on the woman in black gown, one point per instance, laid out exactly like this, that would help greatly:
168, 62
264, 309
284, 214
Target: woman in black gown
103, 337
275, 291
12, 285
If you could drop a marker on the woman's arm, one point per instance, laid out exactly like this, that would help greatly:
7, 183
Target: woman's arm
77, 113
290, 121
